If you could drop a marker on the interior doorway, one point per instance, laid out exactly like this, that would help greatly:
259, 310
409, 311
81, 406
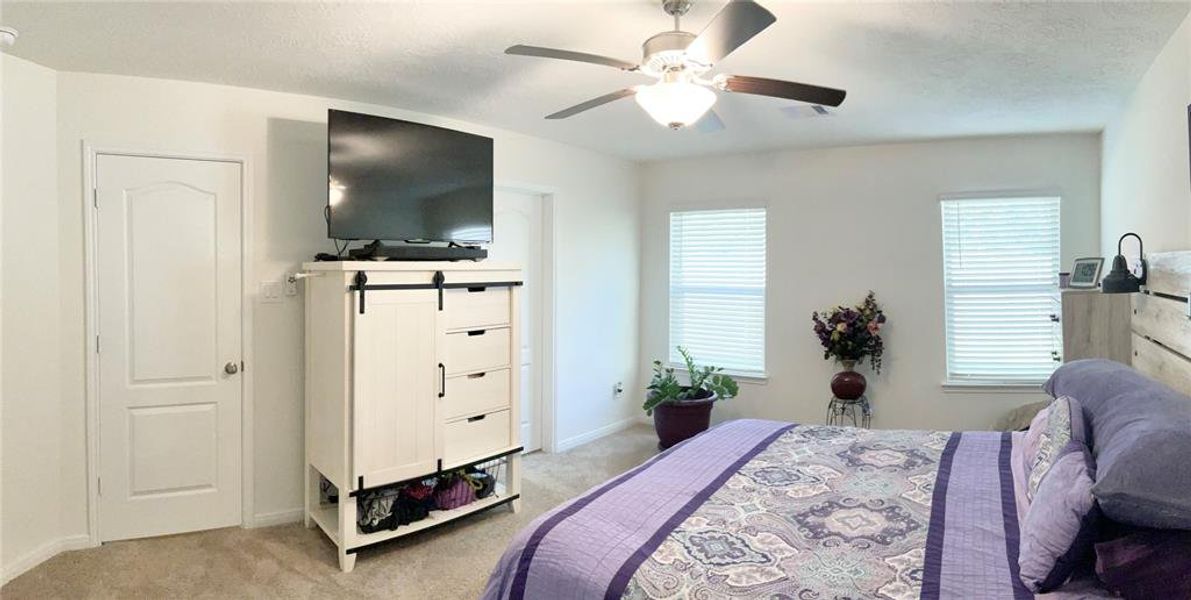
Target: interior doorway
168, 352
519, 236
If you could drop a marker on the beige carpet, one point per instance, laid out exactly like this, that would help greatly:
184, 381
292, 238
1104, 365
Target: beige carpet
290, 561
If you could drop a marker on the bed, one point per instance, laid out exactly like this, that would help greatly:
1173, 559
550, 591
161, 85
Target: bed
765, 509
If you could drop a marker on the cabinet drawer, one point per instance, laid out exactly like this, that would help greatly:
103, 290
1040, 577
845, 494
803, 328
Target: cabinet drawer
476, 393
477, 350
474, 308
475, 437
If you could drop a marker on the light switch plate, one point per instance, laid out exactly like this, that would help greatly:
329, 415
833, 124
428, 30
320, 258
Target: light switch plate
271, 291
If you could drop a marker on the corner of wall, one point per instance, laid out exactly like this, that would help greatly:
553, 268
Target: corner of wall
30, 524
42, 553
1145, 178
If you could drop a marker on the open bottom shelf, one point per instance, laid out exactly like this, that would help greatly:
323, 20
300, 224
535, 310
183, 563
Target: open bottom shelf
436, 518
326, 516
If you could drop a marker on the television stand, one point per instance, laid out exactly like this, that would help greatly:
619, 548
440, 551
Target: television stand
377, 250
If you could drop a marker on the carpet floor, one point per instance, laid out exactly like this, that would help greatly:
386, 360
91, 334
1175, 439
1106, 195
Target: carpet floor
290, 561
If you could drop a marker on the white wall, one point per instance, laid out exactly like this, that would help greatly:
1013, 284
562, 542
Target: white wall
284, 137
1146, 178
843, 221
32, 412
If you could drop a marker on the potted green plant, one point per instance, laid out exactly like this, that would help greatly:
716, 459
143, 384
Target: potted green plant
684, 411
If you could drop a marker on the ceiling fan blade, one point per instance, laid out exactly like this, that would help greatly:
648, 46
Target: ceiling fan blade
736, 24
540, 52
777, 88
710, 123
594, 102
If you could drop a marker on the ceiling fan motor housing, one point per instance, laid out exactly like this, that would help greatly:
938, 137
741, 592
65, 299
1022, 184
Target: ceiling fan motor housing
666, 52
676, 8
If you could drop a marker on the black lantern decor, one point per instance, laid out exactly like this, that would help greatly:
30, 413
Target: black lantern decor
1120, 280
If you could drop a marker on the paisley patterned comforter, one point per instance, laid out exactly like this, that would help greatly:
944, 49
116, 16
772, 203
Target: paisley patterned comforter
761, 509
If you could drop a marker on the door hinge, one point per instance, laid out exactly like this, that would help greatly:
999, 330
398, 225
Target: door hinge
98, 486
97, 344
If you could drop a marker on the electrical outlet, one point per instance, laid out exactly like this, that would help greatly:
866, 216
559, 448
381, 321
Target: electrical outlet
291, 286
271, 292
618, 389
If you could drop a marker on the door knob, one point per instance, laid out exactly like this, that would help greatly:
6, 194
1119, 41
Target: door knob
231, 368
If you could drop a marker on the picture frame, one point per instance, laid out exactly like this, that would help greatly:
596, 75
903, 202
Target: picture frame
1085, 273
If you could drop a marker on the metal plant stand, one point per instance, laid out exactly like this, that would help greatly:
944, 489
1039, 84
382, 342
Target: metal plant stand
858, 412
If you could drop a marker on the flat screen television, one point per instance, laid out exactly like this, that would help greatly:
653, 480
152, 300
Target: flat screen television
394, 180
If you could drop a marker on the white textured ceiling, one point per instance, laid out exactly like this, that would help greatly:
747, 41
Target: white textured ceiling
912, 70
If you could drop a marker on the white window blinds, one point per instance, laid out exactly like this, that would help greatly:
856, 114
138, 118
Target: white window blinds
1000, 273
717, 288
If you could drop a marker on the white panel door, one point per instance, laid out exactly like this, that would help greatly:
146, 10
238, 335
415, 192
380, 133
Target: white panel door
517, 227
168, 274
397, 383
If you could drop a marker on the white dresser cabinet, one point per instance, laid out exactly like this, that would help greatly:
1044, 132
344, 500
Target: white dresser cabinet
409, 373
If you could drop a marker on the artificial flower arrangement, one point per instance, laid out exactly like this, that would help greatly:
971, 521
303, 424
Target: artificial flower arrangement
849, 334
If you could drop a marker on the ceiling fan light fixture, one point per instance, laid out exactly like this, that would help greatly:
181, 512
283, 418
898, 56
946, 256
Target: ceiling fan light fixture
675, 104
681, 61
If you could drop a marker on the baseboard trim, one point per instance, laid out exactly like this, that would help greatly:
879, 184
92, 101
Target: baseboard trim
39, 555
595, 434
281, 517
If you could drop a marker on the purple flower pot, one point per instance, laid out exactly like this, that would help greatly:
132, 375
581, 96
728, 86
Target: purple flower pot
848, 384
678, 421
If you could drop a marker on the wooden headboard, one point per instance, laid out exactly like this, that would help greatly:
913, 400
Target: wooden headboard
1162, 321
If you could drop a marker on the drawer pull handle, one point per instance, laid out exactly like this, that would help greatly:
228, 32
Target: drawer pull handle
474, 419
476, 332
476, 289
476, 375
442, 372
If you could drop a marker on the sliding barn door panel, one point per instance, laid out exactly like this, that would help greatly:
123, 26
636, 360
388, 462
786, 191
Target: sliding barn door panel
397, 382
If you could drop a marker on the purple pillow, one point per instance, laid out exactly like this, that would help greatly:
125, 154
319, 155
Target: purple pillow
1148, 563
1093, 380
1141, 438
1060, 525
1064, 424
1033, 438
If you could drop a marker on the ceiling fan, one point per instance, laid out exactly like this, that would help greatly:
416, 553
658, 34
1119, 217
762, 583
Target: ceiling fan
680, 61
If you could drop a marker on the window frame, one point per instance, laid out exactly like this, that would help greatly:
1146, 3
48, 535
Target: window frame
949, 383
748, 376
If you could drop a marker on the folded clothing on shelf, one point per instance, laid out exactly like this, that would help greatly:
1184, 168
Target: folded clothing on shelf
483, 482
414, 503
454, 490
386, 508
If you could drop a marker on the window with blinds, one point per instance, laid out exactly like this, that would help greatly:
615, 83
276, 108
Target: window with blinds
717, 288
1000, 273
